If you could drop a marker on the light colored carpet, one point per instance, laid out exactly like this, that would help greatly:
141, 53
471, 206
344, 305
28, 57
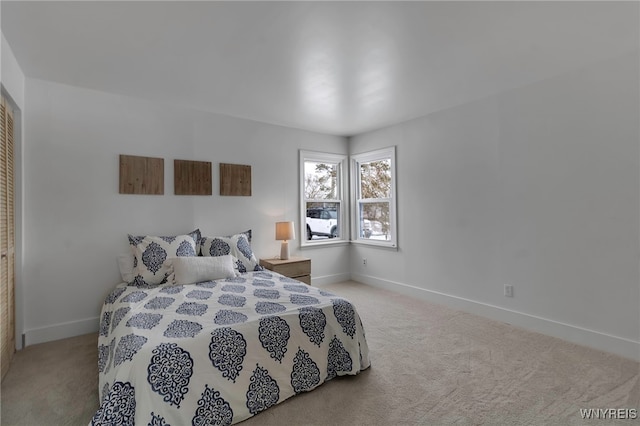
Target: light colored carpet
431, 365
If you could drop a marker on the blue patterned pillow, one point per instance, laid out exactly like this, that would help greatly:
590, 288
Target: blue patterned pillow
239, 246
152, 254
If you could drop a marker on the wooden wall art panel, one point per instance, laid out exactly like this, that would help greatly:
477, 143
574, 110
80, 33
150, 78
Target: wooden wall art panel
192, 177
141, 175
235, 179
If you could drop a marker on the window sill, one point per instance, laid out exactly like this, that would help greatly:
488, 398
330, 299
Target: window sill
381, 245
327, 243
321, 244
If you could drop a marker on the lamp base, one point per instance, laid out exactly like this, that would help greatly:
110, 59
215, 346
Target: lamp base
284, 250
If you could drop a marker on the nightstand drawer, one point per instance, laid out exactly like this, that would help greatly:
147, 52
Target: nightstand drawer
294, 267
293, 270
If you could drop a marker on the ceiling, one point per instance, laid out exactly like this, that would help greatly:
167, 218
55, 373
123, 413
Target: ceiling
340, 68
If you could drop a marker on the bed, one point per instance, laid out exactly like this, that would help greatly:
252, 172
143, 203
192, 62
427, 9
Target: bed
219, 351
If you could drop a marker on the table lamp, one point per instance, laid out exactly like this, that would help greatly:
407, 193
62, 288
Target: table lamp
285, 232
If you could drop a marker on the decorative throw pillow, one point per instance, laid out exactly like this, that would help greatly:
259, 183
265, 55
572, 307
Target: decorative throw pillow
151, 265
189, 270
237, 245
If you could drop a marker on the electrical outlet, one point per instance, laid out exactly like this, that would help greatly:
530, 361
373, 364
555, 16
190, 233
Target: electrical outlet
508, 290
364, 261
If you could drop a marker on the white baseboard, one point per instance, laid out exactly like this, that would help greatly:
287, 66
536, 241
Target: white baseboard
330, 279
605, 342
61, 331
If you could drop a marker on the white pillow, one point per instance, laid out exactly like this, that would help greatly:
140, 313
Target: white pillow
189, 270
125, 265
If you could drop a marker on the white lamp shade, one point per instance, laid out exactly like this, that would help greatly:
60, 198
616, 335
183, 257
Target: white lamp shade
285, 231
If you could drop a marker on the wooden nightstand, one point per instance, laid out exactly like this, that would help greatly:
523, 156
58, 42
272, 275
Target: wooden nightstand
298, 268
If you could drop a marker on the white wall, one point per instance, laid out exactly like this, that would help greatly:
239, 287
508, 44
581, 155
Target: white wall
273, 153
76, 222
11, 74
539, 188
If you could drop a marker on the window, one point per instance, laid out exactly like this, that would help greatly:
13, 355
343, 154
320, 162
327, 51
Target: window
322, 208
374, 199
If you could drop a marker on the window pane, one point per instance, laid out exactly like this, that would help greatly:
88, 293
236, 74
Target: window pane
323, 220
320, 180
375, 179
375, 221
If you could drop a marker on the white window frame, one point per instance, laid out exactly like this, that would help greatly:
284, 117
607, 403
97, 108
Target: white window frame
341, 191
356, 200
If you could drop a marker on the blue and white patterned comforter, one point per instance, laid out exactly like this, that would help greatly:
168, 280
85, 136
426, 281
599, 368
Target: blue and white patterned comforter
219, 352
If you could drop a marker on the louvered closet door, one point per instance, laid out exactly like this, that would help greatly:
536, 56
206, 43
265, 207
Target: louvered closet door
7, 239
